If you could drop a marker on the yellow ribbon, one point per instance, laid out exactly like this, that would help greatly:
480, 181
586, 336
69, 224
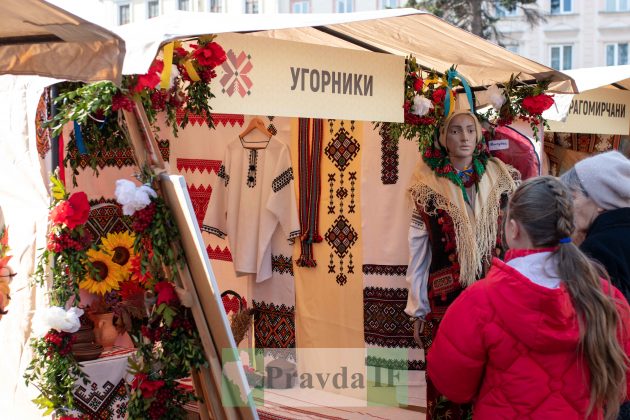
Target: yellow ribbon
192, 73
168, 65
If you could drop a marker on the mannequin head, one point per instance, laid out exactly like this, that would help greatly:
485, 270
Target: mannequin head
459, 136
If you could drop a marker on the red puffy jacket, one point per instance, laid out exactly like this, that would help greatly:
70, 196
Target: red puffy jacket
511, 346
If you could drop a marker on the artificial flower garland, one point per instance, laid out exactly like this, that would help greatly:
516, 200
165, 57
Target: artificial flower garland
53, 368
518, 100
95, 109
169, 347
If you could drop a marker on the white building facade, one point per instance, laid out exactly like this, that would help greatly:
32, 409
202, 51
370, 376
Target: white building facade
126, 11
577, 33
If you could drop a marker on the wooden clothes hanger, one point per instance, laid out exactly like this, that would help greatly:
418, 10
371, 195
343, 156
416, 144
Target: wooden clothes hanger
256, 123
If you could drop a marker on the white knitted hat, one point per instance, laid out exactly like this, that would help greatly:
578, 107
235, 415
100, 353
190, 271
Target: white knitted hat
606, 179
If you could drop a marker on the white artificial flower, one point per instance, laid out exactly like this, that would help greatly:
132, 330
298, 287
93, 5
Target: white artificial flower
57, 318
174, 75
133, 198
421, 105
495, 97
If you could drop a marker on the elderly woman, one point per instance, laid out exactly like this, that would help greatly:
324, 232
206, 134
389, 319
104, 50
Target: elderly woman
601, 190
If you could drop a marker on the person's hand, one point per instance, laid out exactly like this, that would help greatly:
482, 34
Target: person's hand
418, 328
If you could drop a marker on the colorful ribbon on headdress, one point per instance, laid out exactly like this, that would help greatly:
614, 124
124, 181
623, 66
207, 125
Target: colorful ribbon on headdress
168, 63
450, 75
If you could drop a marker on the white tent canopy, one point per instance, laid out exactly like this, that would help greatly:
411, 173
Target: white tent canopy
615, 77
38, 38
435, 43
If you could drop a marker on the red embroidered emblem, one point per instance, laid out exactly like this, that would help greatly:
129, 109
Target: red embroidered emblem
236, 74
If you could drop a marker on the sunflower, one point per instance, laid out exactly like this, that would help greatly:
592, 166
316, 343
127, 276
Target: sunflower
120, 248
107, 275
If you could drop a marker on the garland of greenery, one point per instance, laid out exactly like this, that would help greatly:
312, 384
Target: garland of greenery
53, 368
168, 346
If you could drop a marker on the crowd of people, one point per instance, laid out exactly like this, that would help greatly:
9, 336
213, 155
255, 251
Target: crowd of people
541, 331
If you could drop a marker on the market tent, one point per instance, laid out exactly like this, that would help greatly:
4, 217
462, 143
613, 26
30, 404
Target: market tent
38, 38
616, 77
435, 43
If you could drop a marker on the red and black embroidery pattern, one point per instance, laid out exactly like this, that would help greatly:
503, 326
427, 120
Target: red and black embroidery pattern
281, 264
201, 165
200, 197
217, 253
282, 180
384, 270
105, 217
341, 236
386, 323
106, 402
274, 325
389, 157
41, 133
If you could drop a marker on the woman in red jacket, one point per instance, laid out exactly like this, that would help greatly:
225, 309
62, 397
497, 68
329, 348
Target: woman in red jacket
542, 336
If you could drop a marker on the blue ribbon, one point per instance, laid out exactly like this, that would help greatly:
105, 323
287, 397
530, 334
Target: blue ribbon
450, 74
78, 137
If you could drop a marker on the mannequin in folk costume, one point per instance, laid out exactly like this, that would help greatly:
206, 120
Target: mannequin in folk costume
457, 191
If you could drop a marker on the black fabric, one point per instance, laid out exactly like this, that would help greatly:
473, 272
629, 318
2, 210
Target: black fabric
608, 242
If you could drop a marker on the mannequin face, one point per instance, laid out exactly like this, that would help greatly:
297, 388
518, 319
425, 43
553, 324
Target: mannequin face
461, 136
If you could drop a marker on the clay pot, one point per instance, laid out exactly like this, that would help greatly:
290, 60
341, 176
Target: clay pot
84, 335
104, 330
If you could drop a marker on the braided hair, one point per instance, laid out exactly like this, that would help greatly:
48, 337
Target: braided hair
544, 208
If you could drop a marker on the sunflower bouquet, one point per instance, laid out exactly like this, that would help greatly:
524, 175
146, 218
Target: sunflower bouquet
111, 280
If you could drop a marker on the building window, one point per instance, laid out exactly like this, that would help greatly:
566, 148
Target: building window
389, 4
561, 6
562, 57
215, 6
344, 6
301, 7
617, 5
124, 14
183, 5
153, 8
251, 6
502, 11
512, 48
617, 54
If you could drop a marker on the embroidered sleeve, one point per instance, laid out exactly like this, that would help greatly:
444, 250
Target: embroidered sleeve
215, 219
418, 271
282, 201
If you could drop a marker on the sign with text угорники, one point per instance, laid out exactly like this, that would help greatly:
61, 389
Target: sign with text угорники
263, 76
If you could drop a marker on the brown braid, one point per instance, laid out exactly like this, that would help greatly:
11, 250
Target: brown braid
545, 210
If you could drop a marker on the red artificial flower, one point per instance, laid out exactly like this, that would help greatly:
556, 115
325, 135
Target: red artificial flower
417, 85
152, 78
130, 289
209, 55
180, 52
72, 212
439, 95
166, 293
149, 388
536, 105
120, 101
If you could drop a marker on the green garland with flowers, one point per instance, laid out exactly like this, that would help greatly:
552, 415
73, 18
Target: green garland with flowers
53, 369
523, 101
96, 107
168, 345
423, 106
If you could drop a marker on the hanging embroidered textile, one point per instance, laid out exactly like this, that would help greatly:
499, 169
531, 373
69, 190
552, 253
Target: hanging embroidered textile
251, 197
329, 296
310, 134
386, 214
